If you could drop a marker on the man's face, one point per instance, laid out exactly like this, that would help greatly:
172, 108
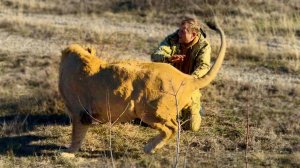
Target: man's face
185, 34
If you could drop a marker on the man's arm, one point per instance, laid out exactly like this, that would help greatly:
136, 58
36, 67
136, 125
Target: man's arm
202, 65
164, 51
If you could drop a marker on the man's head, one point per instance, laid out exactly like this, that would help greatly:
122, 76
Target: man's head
188, 30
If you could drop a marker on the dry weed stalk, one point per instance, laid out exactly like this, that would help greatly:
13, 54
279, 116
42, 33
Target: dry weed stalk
178, 124
247, 135
110, 127
111, 124
187, 151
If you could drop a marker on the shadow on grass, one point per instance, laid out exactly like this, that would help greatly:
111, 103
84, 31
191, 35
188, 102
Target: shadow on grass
21, 123
33, 112
21, 146
18, 116
107, 154
32, 120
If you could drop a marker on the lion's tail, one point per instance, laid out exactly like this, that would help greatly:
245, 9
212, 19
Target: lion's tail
212, 73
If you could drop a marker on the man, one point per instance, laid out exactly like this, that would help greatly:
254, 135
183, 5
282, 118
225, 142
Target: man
189, 51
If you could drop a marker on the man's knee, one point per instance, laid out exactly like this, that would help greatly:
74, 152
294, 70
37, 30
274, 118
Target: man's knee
196, 96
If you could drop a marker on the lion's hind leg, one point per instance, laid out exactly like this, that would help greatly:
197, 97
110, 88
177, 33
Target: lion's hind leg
167, 131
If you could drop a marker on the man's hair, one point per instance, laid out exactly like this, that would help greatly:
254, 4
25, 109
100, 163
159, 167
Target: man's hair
193, 23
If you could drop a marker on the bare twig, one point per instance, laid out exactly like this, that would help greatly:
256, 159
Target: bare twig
185, 121
110, 124
187, 151
23, 122
179, 125
87, 111
247, 137
121, 114
110, 127
107, 113
178, 134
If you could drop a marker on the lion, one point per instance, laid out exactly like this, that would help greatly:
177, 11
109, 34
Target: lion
141, 90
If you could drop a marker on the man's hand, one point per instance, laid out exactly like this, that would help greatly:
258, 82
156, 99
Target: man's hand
177, 58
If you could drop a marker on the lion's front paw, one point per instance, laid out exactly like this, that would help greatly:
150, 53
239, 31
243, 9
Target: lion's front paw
71, 150
149, 149
67, 155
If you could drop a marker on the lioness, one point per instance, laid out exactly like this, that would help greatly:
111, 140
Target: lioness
110, 92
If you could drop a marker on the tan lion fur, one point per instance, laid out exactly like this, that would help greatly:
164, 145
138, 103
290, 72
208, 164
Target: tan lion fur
129, 90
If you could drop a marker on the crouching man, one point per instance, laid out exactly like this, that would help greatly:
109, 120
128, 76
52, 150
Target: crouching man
188, 50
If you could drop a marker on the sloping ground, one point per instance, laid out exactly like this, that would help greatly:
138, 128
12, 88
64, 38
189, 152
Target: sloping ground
33, 127
23, 35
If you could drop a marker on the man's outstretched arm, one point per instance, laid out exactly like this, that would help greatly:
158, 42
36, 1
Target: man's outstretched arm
164, 52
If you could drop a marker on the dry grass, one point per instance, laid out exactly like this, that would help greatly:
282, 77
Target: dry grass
261, 71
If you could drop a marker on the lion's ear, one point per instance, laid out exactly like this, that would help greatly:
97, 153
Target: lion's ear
92, 51
89, 50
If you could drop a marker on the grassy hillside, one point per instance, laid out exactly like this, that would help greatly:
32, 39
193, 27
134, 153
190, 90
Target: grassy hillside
257, 88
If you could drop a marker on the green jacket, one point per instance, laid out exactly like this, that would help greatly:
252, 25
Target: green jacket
199, 54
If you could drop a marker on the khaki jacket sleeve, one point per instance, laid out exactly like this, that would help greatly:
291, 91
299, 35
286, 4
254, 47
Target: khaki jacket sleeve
163, 52
202, 64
